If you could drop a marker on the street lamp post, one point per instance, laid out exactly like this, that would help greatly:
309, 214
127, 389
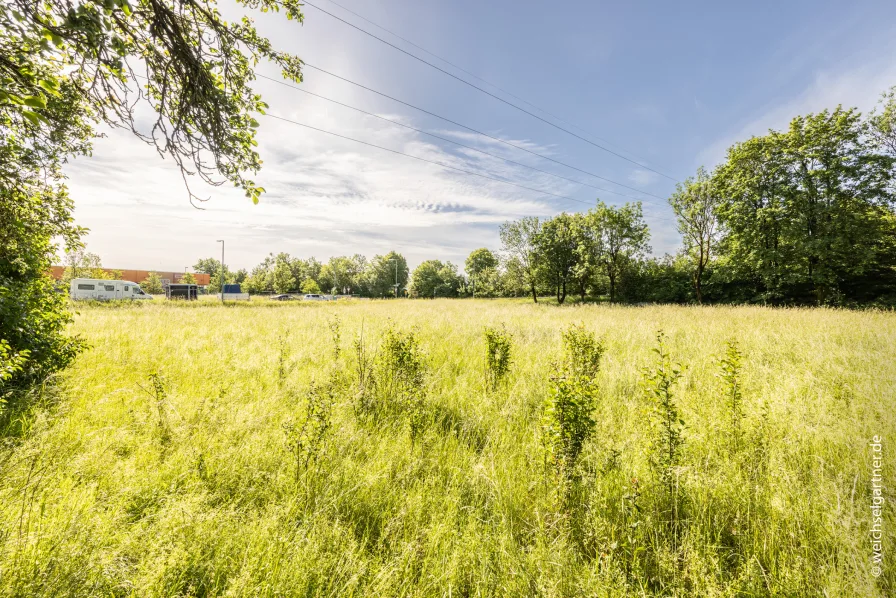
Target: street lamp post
222, 269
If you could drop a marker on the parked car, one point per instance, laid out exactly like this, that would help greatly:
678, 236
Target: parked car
314, 297
282, 298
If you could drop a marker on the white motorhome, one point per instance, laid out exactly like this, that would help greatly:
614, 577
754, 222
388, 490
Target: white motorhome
94, 288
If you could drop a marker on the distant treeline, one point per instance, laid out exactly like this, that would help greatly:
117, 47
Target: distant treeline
802, 216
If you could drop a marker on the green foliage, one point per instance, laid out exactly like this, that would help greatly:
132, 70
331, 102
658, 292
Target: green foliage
696, 203
498, 355
481, 267
556, 245
11, 363
729, 373
883, 122
306, 438
806, 210
188, 278
400, 375
152, 284
620, 236
667, 441
519, 240
309, 285
656, 280
568, 418
194, 73
433, 279
344, 273
383, 273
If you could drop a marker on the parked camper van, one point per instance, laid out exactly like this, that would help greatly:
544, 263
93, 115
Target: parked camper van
92, 288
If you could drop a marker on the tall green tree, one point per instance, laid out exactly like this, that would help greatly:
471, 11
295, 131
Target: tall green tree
283, 274
620, 236
806, 210
478, 263
557, 248
343, 273
382, 273
696, 204
433, 278
152, 284
519, 244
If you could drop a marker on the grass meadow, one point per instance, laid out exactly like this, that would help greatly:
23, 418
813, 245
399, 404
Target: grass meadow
208, 450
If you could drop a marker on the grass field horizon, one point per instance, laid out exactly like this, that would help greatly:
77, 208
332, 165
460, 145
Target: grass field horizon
165, 463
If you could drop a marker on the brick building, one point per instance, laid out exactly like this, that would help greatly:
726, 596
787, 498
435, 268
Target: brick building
139, 276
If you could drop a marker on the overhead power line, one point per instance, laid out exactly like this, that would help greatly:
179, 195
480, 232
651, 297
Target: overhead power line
478, 132
485, 91
475, 76
437, 163
457, 143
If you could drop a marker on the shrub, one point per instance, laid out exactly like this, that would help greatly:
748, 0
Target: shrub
401, 376
498, 346
307, 439
568, 420
729, 372
666, 445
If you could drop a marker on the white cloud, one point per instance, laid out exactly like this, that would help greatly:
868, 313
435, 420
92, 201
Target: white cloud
325, 196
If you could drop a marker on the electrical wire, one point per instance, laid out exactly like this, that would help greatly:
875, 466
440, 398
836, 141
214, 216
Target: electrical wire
485, 91
433, 135
477, 131
475, 76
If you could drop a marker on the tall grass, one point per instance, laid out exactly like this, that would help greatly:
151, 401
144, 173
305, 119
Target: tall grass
173, 461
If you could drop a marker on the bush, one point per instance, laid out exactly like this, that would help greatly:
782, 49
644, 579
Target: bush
498, 345
568, 421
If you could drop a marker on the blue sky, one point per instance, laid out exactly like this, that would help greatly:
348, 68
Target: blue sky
670, 85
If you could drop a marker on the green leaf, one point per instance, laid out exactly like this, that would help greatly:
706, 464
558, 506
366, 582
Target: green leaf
253, 123
35, 102
50, 86
31, 116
